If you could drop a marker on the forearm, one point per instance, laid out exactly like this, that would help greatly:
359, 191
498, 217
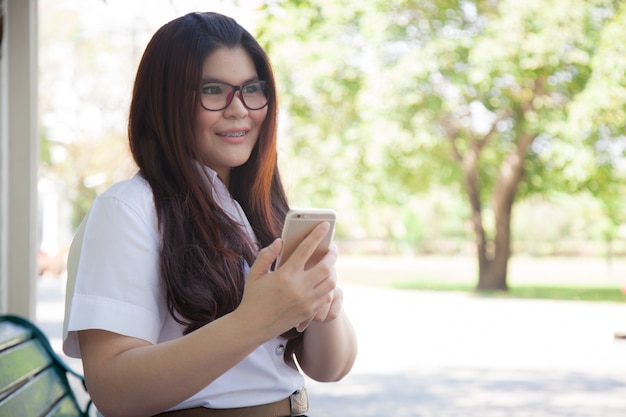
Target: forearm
328, 350
148, 379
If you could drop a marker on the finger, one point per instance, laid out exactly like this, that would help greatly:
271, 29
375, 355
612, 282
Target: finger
331, 310
266, 258
326, 269
322, 313
306, 248
303, 326
336, 306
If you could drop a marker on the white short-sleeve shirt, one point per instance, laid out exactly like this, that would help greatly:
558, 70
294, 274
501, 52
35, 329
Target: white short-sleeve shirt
118, 288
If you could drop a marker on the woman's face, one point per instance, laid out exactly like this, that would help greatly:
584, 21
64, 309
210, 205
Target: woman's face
226, 137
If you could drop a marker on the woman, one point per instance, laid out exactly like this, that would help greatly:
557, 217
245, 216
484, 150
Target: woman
174, 305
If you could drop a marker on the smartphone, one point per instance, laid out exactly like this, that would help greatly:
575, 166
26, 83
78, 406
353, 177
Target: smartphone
299, 223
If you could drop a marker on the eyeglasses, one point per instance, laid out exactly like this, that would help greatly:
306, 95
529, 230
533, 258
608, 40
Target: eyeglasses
217, 96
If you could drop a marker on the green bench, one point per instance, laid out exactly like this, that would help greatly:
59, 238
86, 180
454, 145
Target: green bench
33, 378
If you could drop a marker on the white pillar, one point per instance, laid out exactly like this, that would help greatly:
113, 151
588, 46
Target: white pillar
20, 159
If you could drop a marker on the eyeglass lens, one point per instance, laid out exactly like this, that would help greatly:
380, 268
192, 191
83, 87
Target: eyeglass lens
217, 96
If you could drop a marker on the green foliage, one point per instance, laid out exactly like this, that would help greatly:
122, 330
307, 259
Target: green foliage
374, 92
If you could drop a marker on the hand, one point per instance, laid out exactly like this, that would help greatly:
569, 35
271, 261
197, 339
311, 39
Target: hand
330, 311
296, 292
327, 313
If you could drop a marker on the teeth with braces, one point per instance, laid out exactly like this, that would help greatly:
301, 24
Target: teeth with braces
234, 134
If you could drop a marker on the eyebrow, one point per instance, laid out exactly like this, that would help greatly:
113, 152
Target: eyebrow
217, 80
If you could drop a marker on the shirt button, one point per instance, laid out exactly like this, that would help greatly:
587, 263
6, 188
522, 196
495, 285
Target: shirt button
280, 349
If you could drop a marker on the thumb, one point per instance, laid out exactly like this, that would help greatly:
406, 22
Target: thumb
266, 258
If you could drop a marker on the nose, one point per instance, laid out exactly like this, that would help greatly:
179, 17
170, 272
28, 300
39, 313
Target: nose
236, 108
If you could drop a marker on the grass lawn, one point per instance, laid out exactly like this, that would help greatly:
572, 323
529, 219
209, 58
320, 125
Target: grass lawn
580, 279
572, 293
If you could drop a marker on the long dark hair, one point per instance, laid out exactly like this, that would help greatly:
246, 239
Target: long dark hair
203, 251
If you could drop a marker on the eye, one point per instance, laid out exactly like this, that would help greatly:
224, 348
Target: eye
253, 88
213, 89
250, 88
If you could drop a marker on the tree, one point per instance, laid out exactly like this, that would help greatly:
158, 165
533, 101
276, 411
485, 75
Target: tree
600, 112
478, 93
497, 90
316, 53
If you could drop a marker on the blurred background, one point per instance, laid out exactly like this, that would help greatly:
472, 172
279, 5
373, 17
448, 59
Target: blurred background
483, 129
475, 152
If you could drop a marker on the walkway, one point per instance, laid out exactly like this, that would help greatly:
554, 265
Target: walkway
440, 354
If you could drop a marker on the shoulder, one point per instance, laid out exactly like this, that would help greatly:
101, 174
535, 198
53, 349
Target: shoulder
135, 193
134, 189
130, 201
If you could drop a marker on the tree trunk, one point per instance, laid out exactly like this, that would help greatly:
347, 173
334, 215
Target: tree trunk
492, 271
493, 276
493, 257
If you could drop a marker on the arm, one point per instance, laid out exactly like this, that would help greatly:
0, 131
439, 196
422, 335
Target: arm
329, 347
129, 376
